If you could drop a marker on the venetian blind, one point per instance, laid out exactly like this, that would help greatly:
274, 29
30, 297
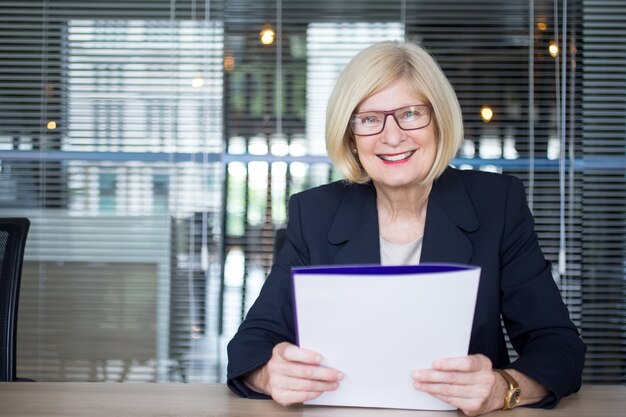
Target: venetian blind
182, 127
111, 133
603, 217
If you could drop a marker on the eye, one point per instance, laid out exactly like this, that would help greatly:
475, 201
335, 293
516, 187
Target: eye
366, 119
410, 113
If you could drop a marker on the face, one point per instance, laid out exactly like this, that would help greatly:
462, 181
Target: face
396, 158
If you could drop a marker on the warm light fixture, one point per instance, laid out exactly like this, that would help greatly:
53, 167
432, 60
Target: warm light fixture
229, 63
553, 49
51, 125
486, 113
197, 82
542, 26
267, 35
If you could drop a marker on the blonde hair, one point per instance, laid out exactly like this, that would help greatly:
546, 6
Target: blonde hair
372, 70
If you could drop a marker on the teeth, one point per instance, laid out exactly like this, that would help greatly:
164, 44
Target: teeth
394, 158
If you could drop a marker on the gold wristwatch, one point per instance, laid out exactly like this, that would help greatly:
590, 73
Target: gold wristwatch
512, 397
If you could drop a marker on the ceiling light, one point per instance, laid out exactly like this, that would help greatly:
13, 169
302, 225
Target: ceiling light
486, 113
553, 49
267, 35
197, 82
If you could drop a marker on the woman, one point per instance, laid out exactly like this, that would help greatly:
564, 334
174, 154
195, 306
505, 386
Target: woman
393, 124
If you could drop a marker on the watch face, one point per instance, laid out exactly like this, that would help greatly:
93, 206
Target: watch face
514, 398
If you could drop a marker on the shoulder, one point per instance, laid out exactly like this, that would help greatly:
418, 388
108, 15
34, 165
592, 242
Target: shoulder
332, 193
475, 179
480, 184
332, 204
491, 196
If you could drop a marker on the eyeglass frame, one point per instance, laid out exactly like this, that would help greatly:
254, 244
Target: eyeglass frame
393, 113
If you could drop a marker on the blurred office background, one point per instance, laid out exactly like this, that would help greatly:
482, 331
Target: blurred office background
154, 144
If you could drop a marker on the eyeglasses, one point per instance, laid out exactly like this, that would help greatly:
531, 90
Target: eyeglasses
371, 123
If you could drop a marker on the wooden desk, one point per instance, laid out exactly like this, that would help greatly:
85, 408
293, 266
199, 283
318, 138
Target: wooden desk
50, 399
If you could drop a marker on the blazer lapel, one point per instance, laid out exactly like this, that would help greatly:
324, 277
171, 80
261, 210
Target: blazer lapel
355, 228
449, 216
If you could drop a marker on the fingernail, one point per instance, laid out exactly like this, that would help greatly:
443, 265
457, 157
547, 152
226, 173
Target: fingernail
436, 364
415, 374
339, 376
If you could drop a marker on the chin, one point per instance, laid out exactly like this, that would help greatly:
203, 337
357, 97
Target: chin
400, 183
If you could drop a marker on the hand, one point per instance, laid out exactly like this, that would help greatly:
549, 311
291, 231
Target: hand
294, 375
467, 382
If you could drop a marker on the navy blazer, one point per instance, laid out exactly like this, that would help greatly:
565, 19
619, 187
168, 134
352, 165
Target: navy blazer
472, 218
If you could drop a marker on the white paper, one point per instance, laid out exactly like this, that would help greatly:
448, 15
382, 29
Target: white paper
379, 326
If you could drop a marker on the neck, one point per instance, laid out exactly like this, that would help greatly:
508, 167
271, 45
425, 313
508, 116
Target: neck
402, 212
406, 201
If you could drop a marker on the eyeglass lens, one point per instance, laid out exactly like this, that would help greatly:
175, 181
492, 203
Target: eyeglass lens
408, 118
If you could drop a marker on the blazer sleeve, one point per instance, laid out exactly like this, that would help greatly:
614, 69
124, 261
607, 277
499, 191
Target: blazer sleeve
270, 320
537, 321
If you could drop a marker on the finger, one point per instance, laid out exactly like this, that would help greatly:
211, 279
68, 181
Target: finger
479, 389
469, 363
311, 372
286, 391
450, 390
470, 407
298, 384
312, 395
447, 390
447, 377
294, 353
288, 397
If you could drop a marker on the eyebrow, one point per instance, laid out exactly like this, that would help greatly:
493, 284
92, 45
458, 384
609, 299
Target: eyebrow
397, 108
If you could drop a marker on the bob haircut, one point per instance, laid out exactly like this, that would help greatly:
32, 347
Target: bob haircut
372, 70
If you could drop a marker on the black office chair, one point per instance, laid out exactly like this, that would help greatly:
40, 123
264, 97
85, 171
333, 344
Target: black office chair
13, 232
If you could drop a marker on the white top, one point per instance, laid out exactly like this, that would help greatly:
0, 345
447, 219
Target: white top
400, 254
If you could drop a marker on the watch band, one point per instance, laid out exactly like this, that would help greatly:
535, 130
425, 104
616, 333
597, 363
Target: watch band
512, 396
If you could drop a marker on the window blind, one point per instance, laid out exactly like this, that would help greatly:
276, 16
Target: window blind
604, 190
112, 137
154, 145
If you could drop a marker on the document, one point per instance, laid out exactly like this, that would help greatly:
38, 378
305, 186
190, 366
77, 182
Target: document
377, 324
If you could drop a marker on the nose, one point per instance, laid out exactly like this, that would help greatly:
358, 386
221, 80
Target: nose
392, 134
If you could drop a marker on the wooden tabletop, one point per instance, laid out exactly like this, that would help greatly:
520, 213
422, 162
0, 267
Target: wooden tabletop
61, 399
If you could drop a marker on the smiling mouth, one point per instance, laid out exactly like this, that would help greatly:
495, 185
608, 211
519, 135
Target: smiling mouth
396, 157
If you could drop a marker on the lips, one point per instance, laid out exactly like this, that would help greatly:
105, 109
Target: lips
397, 157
